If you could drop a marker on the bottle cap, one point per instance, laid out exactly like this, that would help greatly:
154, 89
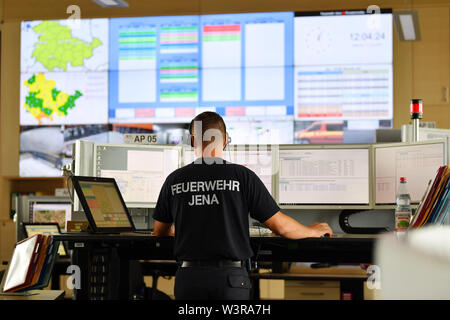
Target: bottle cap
402, 179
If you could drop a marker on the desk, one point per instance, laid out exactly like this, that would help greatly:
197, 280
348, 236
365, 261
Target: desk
36, 295
59, 269
342, 249
351, 279
104, 259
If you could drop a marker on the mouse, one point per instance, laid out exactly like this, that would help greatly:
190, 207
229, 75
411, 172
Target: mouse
326, 235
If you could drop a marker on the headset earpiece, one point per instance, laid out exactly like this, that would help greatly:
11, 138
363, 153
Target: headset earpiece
191, 136
228, 141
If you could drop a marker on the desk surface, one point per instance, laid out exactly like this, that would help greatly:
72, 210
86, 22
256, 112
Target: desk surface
37, 295
304, 276
305, 272
84, 236
340, 248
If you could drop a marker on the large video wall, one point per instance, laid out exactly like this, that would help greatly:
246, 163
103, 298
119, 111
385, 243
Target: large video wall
279, 77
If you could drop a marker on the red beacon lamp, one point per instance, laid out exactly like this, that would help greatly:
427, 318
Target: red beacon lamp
416, 113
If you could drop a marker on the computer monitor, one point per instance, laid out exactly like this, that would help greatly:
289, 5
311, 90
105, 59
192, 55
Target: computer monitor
188, 155
50, 211
388, 135
139, 171
343, 66
26, 208
425, 134
258, 158
103, 204
82, 164
322, 176
261, 159
418, 162
30, 229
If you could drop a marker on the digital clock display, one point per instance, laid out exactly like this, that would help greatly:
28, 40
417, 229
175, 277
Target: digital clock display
367, 36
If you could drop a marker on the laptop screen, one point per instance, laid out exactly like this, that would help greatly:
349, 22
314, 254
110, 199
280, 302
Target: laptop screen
45, 229
105, 204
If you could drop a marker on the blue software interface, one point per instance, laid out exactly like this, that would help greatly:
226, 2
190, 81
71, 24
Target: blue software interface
174, 67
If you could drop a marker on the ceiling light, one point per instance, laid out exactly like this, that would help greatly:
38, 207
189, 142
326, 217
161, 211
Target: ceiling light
407, 23
111, 3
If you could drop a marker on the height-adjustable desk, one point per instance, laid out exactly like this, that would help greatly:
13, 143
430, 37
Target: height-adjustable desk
104, 259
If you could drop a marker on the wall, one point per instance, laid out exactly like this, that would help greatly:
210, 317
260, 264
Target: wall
421, 69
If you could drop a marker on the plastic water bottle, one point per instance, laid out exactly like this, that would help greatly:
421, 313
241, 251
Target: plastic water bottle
403, 209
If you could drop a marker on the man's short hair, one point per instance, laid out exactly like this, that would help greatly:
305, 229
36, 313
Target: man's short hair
209, 120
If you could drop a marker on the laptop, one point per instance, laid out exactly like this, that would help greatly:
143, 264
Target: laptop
47, 228
103, 205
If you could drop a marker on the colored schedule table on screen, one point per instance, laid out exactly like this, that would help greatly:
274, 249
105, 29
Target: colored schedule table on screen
154, 68
105, 205
344, 92
238, 65
343, 66
137, 62
179, 62
246, 63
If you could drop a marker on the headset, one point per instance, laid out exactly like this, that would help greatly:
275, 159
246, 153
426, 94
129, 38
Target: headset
191, 135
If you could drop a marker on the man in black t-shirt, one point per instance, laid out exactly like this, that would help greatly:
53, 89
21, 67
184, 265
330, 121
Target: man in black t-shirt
208, 203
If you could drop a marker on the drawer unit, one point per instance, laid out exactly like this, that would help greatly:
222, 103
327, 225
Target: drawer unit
312, 290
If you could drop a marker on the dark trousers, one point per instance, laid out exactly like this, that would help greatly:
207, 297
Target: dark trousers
205, 283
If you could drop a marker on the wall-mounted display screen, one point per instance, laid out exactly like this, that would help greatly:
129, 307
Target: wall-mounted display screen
343, 66
64, 72
171, 68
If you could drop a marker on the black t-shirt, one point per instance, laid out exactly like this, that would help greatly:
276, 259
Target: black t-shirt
209, 204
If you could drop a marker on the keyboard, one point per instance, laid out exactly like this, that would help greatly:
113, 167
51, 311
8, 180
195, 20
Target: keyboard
355, 236
260, 232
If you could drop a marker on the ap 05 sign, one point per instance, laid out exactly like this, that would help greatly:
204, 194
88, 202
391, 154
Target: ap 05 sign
140, 138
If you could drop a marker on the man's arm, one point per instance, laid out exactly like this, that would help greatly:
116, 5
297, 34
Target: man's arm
162, 229
289, 228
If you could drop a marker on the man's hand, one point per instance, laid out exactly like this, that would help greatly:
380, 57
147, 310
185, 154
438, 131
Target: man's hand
319, 229
289, 228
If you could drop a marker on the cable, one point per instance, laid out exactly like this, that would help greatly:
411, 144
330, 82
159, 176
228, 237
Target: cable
69, 189
259, 248
67, 172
